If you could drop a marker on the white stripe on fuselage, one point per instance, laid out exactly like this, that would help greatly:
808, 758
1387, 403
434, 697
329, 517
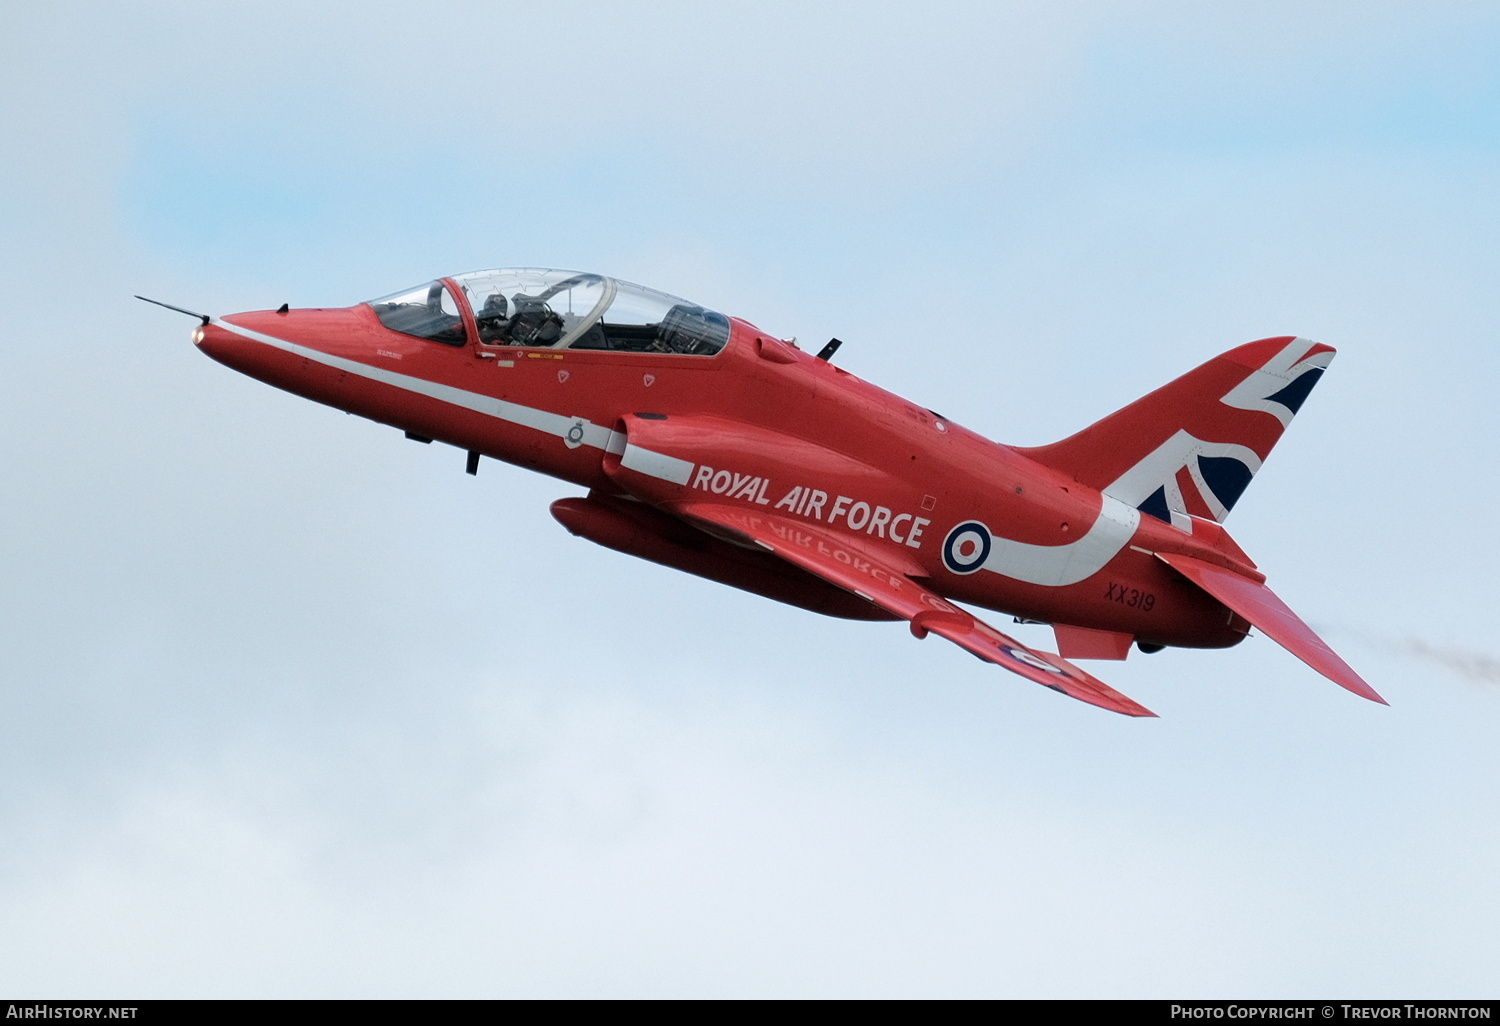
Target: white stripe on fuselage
657, 465
514, 413
1052, 565
1058, 566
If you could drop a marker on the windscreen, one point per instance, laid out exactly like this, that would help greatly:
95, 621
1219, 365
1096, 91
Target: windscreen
428, 311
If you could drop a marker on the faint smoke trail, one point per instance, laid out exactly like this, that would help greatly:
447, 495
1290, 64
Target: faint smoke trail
1481, 669
1474, 667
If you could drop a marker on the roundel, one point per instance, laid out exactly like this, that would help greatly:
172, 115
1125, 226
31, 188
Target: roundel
966, 547
1020, 655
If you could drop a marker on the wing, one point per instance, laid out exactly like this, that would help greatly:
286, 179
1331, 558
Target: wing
1259, 604
881, 580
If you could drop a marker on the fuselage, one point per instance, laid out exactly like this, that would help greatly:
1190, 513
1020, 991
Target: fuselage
763, 424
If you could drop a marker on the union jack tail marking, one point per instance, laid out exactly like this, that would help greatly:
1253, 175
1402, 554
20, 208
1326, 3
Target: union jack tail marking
1191, 448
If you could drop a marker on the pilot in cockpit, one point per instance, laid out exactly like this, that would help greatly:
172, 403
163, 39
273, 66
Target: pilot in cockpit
529, 322
534, 323
493, 320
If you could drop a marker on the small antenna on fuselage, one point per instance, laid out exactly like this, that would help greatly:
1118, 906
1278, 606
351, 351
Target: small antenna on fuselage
826, 353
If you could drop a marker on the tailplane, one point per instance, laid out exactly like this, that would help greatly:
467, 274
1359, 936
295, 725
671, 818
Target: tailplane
1260, 605
1191, 448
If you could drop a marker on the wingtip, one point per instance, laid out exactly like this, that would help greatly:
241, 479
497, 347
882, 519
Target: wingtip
1097, 693
1076, 682
1345, 677
1126, 707
1138, 710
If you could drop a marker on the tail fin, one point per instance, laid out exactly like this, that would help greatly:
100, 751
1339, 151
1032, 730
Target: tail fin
1191, 447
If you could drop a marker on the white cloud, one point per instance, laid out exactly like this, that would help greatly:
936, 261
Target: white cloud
597, 844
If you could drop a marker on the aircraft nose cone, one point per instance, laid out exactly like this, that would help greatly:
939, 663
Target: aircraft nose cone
217, 343
229, 343
291, 351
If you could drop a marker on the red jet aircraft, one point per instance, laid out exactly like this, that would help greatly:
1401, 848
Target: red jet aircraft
709, 446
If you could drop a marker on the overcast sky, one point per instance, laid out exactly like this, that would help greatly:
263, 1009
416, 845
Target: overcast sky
293, 707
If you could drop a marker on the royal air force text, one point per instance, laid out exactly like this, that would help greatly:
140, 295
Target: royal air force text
813, 503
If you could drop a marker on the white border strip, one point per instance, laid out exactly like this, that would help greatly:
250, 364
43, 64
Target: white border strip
657, 465
554, 424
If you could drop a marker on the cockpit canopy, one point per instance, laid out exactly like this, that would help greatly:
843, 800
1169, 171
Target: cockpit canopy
541, 308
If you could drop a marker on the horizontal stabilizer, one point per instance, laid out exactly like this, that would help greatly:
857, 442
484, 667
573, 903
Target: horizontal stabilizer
877, 581
1259, 604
